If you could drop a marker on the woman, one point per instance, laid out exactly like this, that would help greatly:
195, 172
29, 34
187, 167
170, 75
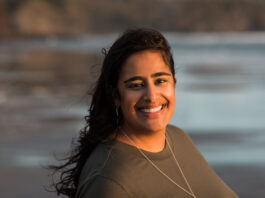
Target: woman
127, 148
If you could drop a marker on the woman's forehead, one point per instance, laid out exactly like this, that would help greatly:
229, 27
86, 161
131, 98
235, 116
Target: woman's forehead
144, 63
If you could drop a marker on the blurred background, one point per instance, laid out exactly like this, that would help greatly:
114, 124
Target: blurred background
50, 57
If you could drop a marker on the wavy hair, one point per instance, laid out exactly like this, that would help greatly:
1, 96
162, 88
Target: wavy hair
103, 120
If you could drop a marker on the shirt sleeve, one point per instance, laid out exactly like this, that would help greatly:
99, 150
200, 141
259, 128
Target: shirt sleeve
102, 187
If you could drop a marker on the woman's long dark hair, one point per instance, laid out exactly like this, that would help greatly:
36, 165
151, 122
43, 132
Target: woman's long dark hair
103, 120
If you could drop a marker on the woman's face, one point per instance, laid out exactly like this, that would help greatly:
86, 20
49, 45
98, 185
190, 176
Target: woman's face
147, 92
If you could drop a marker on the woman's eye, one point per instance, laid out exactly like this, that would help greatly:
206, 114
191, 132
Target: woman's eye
135, 85
160, 81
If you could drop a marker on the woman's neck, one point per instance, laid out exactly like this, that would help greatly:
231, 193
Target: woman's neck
152, 141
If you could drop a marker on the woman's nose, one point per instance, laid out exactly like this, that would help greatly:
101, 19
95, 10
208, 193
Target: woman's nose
150, 93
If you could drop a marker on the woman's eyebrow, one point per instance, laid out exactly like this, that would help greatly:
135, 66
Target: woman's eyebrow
160, 74
153, 76
133, 78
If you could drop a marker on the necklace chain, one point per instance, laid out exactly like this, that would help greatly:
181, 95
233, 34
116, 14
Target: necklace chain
159, 170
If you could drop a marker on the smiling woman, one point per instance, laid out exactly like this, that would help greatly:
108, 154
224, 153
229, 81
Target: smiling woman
127, 148
146, 88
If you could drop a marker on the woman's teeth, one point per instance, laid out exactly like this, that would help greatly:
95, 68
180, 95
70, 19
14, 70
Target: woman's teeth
151, 110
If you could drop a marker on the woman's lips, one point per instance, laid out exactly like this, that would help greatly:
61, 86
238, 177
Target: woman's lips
152, 111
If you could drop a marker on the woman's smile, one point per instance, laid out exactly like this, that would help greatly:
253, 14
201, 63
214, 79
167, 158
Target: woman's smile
151, 111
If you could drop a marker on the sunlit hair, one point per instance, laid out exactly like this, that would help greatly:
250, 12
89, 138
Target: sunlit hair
103, 119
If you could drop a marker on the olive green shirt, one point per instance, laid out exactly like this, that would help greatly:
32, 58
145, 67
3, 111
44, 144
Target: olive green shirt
119, 170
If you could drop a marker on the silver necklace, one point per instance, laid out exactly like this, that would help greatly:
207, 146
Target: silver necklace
159, 170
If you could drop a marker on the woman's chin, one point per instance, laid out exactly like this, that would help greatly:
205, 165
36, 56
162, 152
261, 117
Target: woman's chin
154, 126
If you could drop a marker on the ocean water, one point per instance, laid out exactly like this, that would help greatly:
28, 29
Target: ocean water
221, 81
221, 90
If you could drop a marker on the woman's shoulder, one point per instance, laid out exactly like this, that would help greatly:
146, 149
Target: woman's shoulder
103, 161
173, 128
95, 163
176, 132
102, 168
180, 138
